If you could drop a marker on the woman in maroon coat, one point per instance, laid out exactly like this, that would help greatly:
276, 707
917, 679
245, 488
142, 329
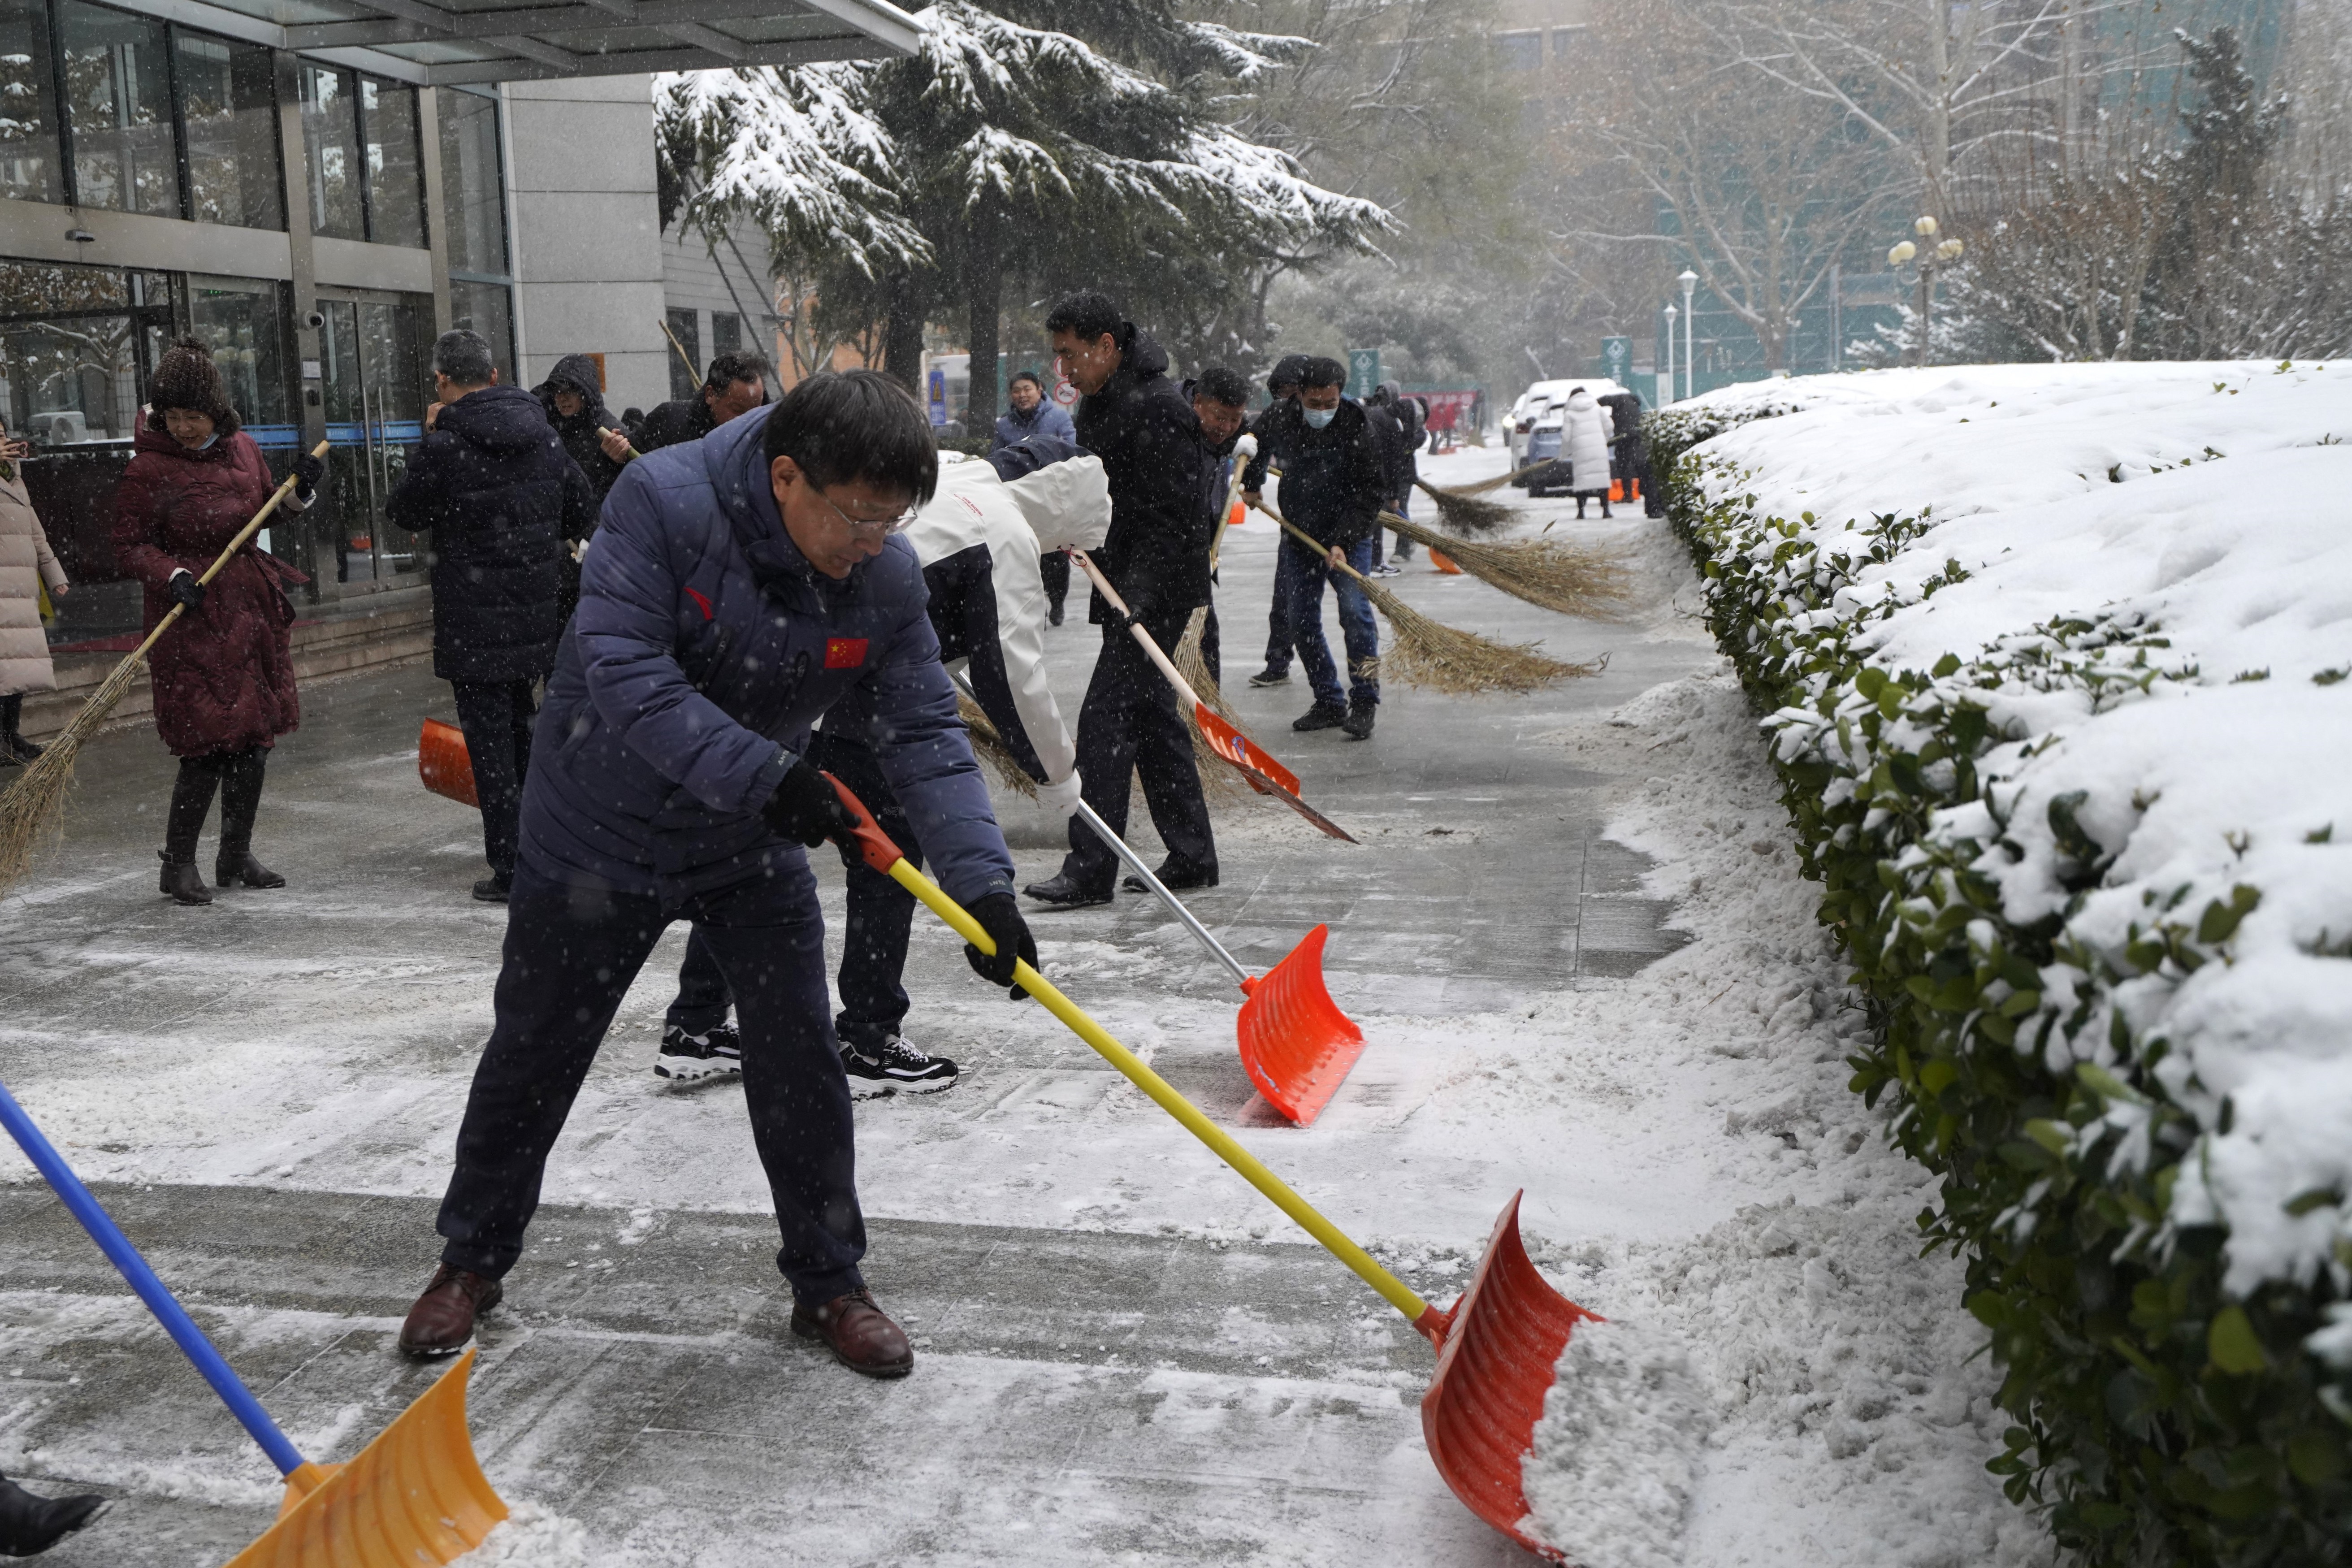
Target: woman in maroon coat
224, 674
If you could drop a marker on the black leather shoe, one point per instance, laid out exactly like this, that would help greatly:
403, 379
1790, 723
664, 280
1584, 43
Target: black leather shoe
242, 870
1064, 893
1175, 875
1358, 721
181, 882
1322, 716
30, 1524
492, 890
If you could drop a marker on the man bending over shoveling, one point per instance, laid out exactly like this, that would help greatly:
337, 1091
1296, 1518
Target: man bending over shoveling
740, 585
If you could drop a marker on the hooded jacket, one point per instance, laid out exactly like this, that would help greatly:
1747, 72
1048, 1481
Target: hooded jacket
1157, 552
704, 651
494, 490
1333, 481
577, 372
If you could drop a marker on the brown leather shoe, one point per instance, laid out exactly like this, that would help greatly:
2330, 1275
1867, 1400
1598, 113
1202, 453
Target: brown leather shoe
860, 1337
443, 1319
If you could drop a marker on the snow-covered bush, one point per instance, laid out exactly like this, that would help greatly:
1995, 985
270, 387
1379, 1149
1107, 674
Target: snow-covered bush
2055, 660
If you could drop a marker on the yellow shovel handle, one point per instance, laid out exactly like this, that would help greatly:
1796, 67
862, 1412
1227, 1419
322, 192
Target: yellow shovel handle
1392, 1289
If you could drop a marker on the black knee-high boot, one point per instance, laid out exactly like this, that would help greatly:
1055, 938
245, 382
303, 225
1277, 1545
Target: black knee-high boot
191, 801
240, 799
14, 747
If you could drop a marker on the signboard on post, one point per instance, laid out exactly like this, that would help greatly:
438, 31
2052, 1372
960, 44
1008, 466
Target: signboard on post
1617, 360
1363, 373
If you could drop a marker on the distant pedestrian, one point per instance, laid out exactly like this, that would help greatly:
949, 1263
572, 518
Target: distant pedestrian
572, 398
1332, 488
1630, 456
1276, 426
26, 565
30, 1524
493, 486
735, 384
224, 674
1396, 423
1157, 555
1035, 413
1584, 440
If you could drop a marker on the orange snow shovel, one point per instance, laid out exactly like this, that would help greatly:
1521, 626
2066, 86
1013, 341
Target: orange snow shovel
1495, 1346
443, 764
413, 1497
1265, 775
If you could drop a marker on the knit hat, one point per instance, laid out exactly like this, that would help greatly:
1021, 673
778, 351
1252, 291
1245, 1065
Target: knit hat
186, 378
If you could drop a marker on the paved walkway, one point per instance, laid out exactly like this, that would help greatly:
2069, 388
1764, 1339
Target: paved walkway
1115, 1366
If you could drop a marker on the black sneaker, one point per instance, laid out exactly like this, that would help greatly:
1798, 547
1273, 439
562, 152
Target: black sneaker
1270, 676
1358, 721
492, 890
1322, 716
1065, 893
1054, 613
894, 1066
690, 1059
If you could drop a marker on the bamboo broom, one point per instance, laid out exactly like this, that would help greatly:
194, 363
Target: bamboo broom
1219, 784
990, 746
1467, 512
34, 806
1555, 575
1429, 653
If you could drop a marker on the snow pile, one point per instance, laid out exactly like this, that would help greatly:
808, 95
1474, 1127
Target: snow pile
1616, 1454
531, 1537
2142, 575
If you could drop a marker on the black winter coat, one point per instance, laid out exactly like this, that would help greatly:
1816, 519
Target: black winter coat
1276, 427
680, 420
577, 372
496, 492
1392, 441
1157, 552
1333, 485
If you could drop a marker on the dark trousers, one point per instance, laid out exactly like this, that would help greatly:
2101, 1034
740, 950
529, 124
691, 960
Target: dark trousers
1054, 565
238, 776
1403, 506
1289, 566
879, 919
571, 951
495, 716
1211, 649
1359, 631
11, 712
1129, 724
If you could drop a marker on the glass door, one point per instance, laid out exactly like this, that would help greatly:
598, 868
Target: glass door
373, 382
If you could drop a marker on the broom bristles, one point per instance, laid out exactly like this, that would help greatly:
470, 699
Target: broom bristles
1219, 781
1554, 574
990, 747
1468, 512
32, 809
1445, 658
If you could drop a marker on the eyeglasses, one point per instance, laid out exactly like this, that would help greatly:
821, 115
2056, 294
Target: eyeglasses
869, 527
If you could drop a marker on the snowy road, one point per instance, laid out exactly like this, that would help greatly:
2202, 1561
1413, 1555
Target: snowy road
1125, 1355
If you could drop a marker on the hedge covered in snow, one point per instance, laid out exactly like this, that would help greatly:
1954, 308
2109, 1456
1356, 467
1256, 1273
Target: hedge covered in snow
2054, 662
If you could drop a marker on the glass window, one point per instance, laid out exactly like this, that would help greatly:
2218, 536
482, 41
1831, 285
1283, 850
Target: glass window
1563, 44
330, 145
472, 194
726, 333
486, 308
1520, 51
685, 352
239, 320
396, 178
29, 166
76, 345
119, 99
229, 102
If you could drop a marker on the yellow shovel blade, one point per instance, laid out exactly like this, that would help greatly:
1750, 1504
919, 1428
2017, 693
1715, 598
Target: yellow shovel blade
414, 1496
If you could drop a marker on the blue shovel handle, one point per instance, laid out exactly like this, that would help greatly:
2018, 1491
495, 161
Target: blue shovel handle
159, 1300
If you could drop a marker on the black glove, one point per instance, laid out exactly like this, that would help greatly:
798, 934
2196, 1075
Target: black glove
1000, 916
805, 809
185, 589
308, 471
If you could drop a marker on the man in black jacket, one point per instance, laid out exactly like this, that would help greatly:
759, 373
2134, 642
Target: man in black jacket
735, 384
497, 493
1333, 486
1276, 426
1157, 555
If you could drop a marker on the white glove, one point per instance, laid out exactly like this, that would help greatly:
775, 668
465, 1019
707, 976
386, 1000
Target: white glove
1062, 798
1246, 447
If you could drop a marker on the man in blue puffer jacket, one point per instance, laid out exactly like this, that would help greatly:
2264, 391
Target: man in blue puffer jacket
740, 586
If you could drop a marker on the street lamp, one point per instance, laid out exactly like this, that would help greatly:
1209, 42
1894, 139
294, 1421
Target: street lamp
1689, 281
1671, 314
1944, 255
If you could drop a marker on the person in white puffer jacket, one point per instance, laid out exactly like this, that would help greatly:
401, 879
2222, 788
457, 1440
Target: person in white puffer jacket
1585, 433
979, 542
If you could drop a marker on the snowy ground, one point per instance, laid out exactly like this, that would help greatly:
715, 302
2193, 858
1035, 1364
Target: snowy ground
1125, 1354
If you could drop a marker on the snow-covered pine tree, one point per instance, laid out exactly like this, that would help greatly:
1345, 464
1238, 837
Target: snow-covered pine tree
1003, 149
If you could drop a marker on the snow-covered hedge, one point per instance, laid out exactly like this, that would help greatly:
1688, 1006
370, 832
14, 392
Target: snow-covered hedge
2055, 660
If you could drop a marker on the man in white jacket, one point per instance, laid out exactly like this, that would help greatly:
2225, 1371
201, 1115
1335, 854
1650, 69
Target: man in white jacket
979, 542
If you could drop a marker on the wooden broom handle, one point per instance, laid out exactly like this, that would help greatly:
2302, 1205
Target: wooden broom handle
1322, 553
1102, 586
244, 536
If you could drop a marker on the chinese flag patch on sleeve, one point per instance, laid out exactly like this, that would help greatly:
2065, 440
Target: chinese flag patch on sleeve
845, 653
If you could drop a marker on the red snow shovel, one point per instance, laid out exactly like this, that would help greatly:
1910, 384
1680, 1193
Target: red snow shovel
1265, 775
443, 764
1495, 1347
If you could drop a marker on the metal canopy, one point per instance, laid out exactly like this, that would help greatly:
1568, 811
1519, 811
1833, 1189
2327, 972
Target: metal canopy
442, 42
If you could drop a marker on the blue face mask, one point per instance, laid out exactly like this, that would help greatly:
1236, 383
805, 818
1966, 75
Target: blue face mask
1316, 418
